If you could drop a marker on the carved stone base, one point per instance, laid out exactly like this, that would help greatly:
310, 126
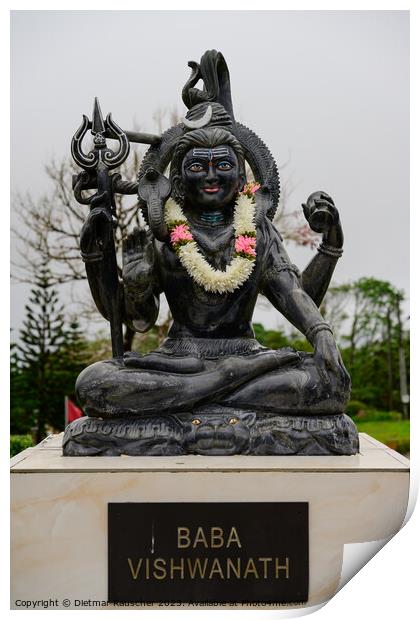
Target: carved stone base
212, 431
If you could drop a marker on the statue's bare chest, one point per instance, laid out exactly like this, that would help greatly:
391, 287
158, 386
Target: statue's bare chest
216, 245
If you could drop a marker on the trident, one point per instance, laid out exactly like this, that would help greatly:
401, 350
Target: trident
101, 160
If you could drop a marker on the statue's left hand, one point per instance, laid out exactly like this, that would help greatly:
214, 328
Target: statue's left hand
328, 358
323, 217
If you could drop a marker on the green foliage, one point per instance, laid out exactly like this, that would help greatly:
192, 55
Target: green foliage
19, 443
275, 339
374, 371
361, 412
45, 362
270, 338
394, 434
373, 415
354, 407
374, 340
22, 417
144, 343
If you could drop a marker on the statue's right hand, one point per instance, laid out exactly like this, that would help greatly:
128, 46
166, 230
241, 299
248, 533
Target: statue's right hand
138, 258
96, 231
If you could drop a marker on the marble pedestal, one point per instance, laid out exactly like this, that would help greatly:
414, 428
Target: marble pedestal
59, 509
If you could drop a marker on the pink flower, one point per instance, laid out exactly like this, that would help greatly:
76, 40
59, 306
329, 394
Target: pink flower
250, 189
255, 187
245, 245
181, 233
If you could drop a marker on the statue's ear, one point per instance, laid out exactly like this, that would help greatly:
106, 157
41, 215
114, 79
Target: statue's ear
242, 181
178, 188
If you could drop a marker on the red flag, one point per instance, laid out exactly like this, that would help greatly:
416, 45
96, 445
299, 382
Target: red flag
72, 411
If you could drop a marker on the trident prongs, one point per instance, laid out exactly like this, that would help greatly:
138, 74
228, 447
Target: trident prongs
114, 160
101, 153
89, 161
98, 126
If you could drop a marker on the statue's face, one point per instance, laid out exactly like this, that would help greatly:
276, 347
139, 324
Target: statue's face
211, 176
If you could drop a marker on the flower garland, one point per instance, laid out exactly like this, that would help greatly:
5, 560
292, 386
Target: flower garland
242, 264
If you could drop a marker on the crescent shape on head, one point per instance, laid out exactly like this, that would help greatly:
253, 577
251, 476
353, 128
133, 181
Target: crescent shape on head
201, 122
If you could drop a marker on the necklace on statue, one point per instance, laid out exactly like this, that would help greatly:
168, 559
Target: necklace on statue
212, 217
243, 261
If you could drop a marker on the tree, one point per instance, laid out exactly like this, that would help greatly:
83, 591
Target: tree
21, 410
45, 361
374, 343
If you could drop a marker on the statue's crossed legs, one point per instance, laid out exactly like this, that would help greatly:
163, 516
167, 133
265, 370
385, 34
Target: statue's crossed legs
283, 382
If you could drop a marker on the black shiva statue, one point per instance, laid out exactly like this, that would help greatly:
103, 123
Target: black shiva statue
210, 246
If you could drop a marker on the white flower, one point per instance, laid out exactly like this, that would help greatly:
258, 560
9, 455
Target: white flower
215, 280
173, 212
243, 220
211, 279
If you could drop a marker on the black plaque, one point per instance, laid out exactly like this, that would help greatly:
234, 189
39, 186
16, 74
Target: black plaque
208, 552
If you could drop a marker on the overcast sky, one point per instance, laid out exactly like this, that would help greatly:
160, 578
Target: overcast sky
327, 90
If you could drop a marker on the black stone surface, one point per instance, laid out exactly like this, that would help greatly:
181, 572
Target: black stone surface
212, 432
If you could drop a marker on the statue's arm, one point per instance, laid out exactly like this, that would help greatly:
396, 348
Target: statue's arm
283, 289
317, 276
97, 241
138, 291
95, 244
281, 284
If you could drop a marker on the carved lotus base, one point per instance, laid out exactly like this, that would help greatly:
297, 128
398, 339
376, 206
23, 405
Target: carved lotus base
212, 432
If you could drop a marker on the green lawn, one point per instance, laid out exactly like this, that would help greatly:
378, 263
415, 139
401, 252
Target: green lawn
393, 433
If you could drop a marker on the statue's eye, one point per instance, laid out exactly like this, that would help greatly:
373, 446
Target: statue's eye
196, 167
233, 420
224, 165
196, 422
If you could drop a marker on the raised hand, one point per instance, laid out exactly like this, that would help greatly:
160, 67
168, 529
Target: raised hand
323, 217
138, 258
320, 212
